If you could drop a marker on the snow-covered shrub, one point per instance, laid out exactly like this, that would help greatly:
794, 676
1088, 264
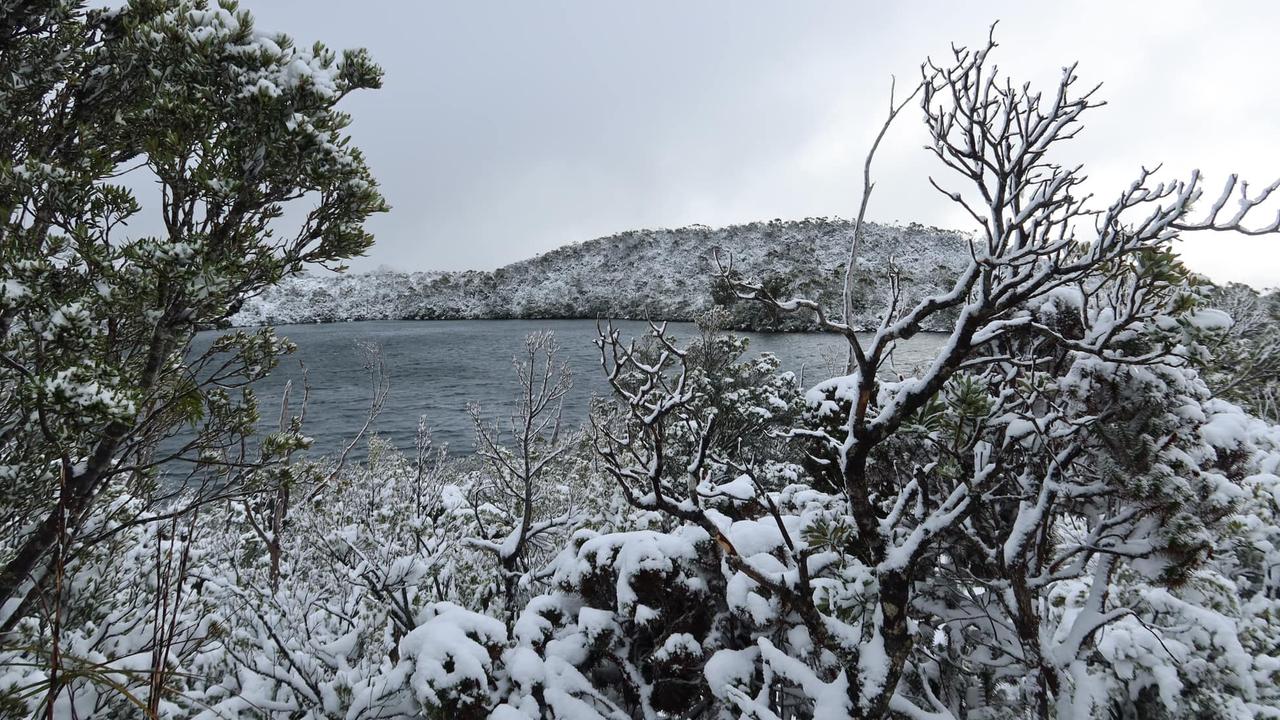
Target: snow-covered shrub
131, 623
1056, 517
451, 654
1014, 527
639, 274
365, 552
1245, 364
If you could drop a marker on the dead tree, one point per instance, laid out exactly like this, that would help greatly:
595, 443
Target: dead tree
514, 506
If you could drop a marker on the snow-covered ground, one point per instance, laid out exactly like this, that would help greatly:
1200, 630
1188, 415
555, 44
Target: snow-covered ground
667, 274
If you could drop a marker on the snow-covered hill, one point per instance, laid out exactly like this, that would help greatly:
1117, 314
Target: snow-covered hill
659, 274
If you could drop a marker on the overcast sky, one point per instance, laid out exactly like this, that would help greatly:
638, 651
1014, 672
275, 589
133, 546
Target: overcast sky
509, 128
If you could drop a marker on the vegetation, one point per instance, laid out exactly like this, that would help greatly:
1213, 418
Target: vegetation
1072, 512
643, 274
1245, 365
99, 390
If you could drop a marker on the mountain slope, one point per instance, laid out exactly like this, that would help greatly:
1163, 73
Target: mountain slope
659, 274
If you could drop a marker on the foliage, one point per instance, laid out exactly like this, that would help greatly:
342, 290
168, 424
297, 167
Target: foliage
1245, 367
100, 391
641, 274
1063, 515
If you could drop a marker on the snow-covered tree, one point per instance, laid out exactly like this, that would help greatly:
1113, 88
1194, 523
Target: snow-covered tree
1245, 364
1047, 520
1056, 517
991, 518
662, 273
100, 392
521, 511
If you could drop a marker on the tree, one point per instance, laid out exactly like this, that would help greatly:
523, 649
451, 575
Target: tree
998, 467
1245, 367
1055, 518
517, 507
95, 323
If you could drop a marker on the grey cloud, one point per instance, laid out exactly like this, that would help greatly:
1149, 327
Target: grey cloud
508, 128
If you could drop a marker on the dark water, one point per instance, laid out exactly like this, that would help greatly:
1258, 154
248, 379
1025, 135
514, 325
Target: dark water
437, 367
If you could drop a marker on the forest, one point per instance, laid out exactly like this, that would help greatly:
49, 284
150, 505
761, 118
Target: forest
668, 274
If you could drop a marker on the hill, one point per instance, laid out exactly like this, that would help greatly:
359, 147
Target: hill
659, 274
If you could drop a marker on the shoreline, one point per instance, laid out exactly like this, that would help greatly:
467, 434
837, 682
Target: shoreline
806, 329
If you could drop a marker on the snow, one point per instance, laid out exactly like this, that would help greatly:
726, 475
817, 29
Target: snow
761, 537
78, 387
678, 644
1210, 319
873, 666
450, 649
644, 614
595, 623
830, 699
635, 274
1226, 429
12, 290
740, 488
628, 554
727, 668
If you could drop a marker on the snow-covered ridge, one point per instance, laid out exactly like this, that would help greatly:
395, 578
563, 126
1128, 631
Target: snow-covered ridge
658, 274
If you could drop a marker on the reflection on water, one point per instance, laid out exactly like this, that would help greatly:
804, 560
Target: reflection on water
437, 367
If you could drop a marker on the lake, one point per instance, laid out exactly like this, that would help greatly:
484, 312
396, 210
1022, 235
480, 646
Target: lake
437, 367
